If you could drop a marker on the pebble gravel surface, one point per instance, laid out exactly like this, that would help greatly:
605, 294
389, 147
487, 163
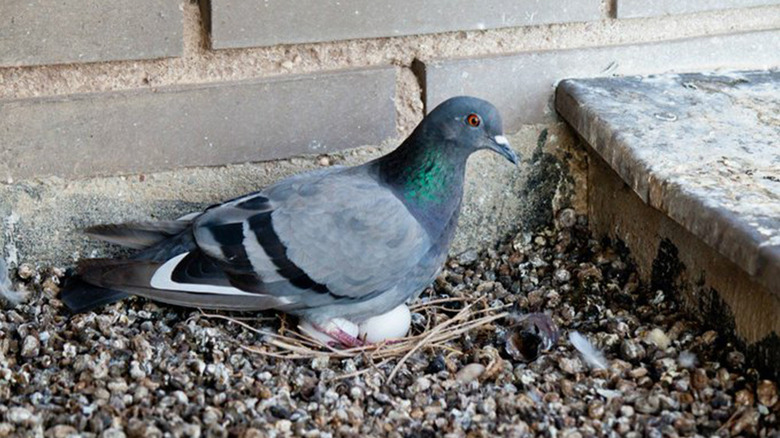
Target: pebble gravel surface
138, 369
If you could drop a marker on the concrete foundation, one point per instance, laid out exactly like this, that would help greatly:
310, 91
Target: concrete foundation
42, 218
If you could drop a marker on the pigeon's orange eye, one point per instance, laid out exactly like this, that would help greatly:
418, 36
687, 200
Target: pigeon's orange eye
473, 120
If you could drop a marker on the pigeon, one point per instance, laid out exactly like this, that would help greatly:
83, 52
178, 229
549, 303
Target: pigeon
336, 247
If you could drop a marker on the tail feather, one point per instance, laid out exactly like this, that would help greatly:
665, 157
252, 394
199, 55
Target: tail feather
138, 235
81, 296
103, 281
108, 273
244, 303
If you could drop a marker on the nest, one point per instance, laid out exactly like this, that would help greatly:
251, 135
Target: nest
444, 323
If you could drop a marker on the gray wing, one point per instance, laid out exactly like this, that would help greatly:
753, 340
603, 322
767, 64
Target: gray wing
348, 233
318, 237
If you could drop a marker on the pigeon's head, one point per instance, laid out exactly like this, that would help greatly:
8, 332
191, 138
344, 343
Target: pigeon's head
470, 123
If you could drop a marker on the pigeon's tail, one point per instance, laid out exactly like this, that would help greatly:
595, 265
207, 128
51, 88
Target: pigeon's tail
159, 241
102, 281
138, 235
172, 271
81, 296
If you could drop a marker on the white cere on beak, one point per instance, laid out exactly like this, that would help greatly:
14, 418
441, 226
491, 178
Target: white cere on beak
500, 139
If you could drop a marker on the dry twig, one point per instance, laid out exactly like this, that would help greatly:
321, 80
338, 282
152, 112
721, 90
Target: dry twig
292, 344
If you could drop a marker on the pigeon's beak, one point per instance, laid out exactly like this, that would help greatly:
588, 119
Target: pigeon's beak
500, 145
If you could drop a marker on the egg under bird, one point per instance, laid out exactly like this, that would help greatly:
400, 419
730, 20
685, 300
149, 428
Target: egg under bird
342, 248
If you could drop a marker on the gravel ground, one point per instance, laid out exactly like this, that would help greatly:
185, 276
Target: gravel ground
139, 369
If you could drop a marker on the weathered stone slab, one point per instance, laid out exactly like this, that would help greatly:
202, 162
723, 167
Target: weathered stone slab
701, 148
645, 8
239, 23
522, 85
670, 259
64, 31
195, 125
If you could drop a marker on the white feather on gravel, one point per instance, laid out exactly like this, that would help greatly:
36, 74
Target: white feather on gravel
7, 291
591, 354
686, 359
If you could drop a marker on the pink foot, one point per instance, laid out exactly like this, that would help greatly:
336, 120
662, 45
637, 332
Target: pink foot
340, 337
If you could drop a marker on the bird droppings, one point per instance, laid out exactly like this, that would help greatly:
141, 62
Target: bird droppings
658, 338
136, 368
9, 295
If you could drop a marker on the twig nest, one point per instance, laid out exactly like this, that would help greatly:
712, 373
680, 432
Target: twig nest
391, 325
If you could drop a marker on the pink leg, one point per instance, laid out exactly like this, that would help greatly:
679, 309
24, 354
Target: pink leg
341, 337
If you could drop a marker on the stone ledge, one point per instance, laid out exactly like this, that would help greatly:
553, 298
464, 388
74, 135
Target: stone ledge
674, 262
701, 148
685, 171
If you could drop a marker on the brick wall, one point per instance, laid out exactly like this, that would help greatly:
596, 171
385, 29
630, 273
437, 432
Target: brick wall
93, 87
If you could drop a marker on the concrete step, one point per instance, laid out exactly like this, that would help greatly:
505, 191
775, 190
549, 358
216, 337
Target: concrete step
685, 169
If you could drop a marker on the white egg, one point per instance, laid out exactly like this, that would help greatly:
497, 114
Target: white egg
391, 325
347, 327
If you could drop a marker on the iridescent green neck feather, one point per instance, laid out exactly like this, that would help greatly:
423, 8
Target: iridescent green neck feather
427, 177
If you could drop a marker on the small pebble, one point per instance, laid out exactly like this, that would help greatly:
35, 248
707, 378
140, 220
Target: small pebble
113, 433
470, 372
744, 397
596, 409
637, 373
567, 218
436, 365
30, 346
626, 411
19, 415
468, 257
562, 275
25, 271
320, 362
767, 393
61, 431
631, 350
570, 365
699, 379
648, 405
736, 360
709, 337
